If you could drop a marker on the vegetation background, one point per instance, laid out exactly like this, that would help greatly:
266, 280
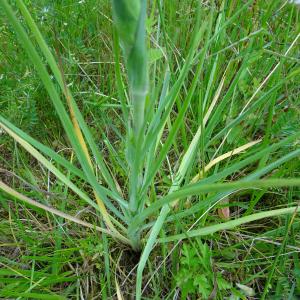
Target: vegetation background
45, 257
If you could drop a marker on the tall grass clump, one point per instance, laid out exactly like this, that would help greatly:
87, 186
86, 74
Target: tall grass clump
156, 184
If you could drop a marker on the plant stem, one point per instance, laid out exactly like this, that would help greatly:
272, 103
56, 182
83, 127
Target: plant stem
135, 240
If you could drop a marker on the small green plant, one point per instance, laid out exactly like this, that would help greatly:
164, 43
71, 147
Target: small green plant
131, 209
196, 275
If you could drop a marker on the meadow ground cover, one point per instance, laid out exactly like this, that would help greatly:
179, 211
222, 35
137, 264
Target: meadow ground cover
149, 149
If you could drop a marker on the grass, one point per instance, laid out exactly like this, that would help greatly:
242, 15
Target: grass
174, 169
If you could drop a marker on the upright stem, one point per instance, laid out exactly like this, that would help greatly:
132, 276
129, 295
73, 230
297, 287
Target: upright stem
138, 100
135, 240
130, 22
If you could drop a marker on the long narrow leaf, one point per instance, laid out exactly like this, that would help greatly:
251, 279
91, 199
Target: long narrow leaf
54, 211
52, 168
71, 102
28, 46
230, 224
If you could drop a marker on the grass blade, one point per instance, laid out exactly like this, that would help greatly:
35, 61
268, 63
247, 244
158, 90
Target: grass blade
75, 113
52, 168
67, 124
49, 209
230, 224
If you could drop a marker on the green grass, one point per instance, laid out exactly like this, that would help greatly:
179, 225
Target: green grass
127, 127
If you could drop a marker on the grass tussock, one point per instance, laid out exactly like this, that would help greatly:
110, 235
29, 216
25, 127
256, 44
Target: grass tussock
149, 150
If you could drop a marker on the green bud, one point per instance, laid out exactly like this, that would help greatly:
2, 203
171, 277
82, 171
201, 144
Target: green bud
126, 17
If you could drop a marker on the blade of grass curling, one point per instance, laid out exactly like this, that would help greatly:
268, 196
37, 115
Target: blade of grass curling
24, 139
155, 206
77, 116
236, 166
224, 156
44, 149
200, 187
230, 224
51, 168
50, 209
211, 201
214, 162
269, 167
59, 213
66, 122
195, 189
